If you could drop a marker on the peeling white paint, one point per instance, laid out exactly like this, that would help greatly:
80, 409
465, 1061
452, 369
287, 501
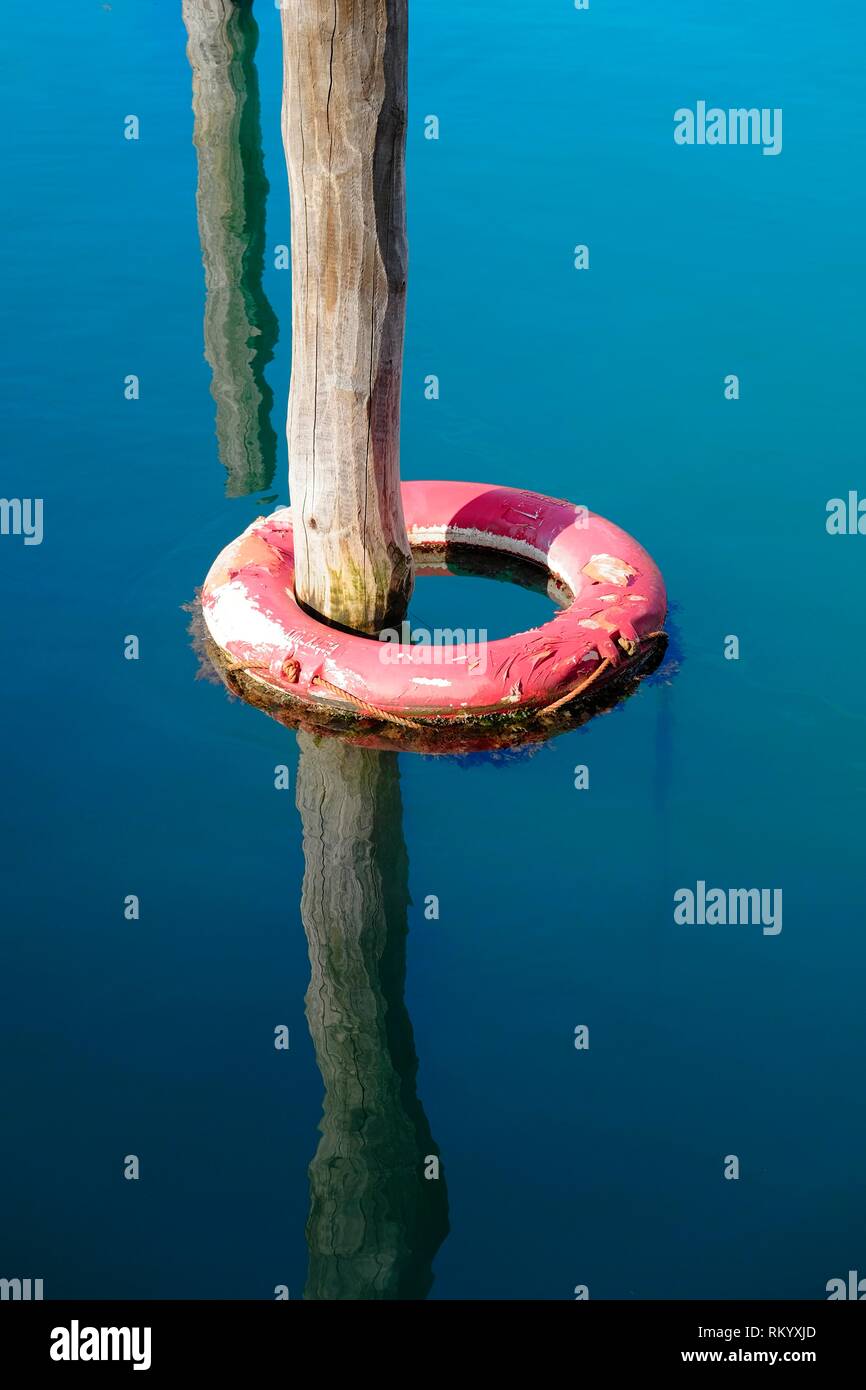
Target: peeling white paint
609, 570
233, 617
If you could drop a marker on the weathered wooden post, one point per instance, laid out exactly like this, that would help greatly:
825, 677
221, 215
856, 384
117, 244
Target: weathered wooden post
344, 131
376, 1219
240, 327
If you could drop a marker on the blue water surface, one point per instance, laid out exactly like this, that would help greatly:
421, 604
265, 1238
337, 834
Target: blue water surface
601, 1167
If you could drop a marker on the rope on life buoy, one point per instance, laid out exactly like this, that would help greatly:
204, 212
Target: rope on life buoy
579, 689
362, 704
290, 671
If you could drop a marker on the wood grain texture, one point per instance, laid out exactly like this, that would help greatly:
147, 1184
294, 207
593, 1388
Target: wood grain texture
375, 1221
344, 131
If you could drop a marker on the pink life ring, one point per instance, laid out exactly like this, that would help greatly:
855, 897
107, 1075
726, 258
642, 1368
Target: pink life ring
619, 598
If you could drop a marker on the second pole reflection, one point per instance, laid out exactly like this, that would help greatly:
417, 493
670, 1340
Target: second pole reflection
240, 327
376, 1221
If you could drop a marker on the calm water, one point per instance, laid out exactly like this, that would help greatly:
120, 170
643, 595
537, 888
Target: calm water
155, 1038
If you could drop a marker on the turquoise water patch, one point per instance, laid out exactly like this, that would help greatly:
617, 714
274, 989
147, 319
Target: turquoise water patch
506, 906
